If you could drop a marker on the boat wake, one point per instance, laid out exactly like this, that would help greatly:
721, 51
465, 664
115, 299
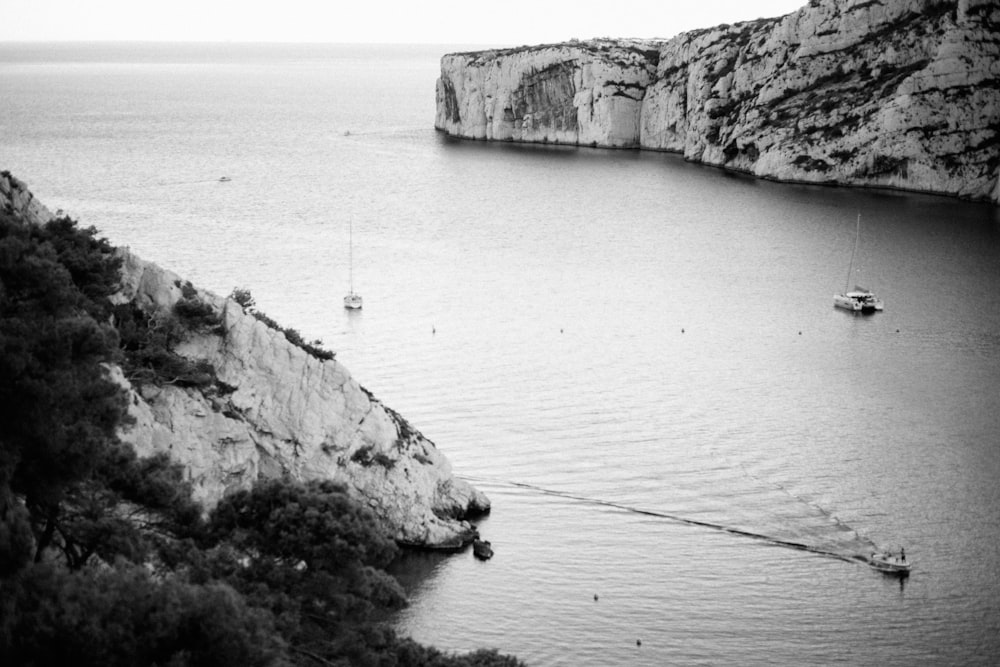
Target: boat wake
859, 551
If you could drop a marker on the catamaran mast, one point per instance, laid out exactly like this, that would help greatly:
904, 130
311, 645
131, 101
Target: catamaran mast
350, 255
850, 270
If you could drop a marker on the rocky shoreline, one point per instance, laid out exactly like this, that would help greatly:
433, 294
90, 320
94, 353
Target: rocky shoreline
900, 94
275, 409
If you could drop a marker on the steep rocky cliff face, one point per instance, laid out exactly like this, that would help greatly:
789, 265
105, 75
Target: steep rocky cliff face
885, 93
276, 409
583, 93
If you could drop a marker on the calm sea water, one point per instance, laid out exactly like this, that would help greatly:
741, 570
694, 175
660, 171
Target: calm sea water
635, 357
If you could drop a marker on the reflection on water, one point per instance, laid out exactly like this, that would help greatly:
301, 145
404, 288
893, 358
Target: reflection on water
637, 358
610, 370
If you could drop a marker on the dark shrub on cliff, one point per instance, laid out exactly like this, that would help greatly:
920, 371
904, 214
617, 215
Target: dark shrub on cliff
242, 296
122, 616
148, 339
58, 409
104, 557
312, 556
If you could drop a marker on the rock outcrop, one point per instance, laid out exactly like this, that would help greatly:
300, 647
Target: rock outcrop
881, 93
275, 409
584, 93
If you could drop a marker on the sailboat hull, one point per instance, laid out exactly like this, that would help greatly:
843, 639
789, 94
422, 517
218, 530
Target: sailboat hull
841, 301
352, 300
859, 301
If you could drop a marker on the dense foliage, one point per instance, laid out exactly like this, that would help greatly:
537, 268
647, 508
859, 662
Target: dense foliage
104, 558
58, 410
148, 339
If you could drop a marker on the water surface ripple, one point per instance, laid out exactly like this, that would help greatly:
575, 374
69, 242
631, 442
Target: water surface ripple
635, 357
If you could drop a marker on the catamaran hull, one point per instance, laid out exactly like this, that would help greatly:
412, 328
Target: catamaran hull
845, 303
857, 302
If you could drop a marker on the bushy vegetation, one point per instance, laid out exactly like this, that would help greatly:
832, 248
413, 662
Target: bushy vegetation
315, 348
104, 557
57, 409
367, 456
888, 164
148, 340
196, 314
810, 163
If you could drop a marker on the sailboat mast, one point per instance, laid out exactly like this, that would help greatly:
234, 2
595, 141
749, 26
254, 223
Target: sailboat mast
850, 269
352, 301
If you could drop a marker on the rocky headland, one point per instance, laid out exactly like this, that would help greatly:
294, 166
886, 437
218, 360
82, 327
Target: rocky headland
877, 93
275, 408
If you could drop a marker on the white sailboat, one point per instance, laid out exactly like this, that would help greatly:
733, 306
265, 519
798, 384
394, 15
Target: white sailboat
860, 299
352, 301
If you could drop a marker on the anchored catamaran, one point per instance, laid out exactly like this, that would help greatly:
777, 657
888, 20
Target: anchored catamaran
860, 299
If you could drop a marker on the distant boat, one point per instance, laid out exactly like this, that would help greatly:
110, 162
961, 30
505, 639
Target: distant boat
860, 299
890, 563
224, 179
352, 301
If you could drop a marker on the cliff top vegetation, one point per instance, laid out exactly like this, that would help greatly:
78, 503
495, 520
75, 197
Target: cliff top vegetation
645, 50
104, 557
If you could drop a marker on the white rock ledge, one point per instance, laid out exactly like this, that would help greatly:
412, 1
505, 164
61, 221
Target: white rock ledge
279, 411
898, 94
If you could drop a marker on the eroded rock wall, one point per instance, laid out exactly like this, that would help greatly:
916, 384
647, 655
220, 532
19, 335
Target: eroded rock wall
887, 93
580, 93
277, 410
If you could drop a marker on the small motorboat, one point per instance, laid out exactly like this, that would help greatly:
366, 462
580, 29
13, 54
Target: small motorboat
481, 549
890, 563
225, 179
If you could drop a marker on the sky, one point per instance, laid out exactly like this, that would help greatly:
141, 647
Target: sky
503, 23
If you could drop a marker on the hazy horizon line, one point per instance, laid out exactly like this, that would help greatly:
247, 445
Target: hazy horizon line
326, 42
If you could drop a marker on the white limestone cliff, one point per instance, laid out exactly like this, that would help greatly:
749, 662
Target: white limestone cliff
16, 198
582, 93
884, 93
277, 410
